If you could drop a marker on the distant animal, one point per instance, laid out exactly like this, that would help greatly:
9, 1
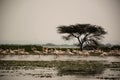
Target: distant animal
104, 54
86, 53
69, 52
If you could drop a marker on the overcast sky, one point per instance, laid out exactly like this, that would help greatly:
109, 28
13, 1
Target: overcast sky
35, 21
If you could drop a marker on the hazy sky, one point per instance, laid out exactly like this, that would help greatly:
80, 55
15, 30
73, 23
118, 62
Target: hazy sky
35, 21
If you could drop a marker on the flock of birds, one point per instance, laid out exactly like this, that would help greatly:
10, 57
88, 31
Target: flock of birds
78, 52
16, 51
60, 52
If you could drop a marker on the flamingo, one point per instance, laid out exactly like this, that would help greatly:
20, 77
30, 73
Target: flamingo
69, 52
103, 54
12, 51
36, 51
86, 53
56, 52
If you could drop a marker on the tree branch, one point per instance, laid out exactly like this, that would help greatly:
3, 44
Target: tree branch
73, 35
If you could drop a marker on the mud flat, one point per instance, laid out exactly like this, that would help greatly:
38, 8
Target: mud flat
57, 70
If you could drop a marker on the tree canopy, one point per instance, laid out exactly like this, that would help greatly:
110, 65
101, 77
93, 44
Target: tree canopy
86, 34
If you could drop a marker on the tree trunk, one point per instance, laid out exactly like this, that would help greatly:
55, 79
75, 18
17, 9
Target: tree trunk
80, 44
81, 47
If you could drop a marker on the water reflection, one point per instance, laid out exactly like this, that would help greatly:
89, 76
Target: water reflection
51, 74
60, 57
39, 73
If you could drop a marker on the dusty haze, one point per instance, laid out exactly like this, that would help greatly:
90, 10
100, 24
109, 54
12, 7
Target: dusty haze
35, 21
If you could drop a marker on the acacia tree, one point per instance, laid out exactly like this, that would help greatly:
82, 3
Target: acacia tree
86, 34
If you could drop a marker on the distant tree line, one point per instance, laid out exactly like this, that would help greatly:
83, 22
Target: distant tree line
26, 47
104, 47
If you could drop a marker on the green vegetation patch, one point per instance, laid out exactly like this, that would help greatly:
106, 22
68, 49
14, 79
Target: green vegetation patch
63, 67
83, 68
27, 48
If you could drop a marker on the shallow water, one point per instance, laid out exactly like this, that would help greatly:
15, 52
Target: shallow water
60, 57
38, 73
51, 74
